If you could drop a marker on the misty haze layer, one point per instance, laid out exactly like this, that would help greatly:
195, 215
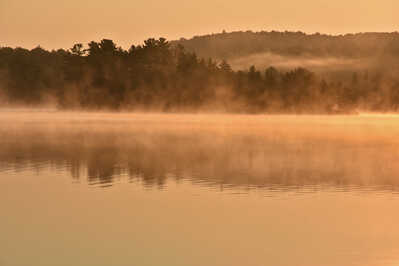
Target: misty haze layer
115, 188
269, 152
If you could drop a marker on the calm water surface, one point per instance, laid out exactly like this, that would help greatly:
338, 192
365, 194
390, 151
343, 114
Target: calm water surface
147, 189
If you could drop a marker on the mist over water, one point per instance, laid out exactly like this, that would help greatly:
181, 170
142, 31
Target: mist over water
274, 147
243, 151
113, 188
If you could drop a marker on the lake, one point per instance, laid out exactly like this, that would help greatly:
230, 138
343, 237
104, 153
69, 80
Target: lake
98, 188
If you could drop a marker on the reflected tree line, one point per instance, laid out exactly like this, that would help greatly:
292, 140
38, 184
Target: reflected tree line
244, 162
158, 76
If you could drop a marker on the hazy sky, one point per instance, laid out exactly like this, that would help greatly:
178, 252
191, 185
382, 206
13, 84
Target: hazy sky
55, 24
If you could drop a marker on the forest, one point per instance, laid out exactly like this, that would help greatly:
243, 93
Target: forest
243, 43
168, 77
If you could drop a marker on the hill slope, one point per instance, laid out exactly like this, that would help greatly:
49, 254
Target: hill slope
292, 49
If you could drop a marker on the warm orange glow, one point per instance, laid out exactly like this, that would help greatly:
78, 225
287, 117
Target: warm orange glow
55, 24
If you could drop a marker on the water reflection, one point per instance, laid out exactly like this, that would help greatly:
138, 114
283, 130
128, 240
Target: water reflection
279, 157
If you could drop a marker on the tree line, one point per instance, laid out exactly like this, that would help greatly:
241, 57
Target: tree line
243, 43
158, 76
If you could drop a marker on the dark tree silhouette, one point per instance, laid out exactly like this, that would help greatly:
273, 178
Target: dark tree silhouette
159, 76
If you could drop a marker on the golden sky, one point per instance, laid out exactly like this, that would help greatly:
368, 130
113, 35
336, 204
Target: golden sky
54, 24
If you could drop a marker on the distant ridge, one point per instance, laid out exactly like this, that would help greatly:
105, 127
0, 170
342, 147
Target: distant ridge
245, 43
